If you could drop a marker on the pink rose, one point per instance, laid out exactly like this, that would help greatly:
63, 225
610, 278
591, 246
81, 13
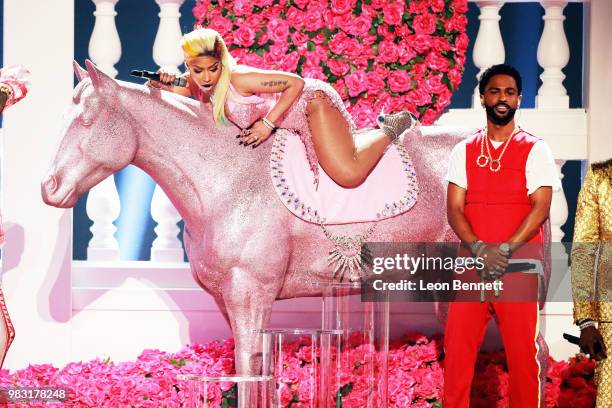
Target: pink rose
319, 38
321, 53
244, 36
437, 62
437, 6
253, 60
342, 21
418, 6
356, 83
375, 83
461, 42
362, 113
399, 81
278, 30
394, 12
299, 38
255, 21
219, 23
338, 42
290, 62
458, 22
241, 7
262, 3
419, 97
263, 38
343, 6
460, 6
277, 52
441, 44
295, 18
455, 75
387, 51
338, 67
360, 25
433, 83
444, 98
200, 10
313, 72
313, 19
406, 53
353, 48
424, 24
378, 4
420, 42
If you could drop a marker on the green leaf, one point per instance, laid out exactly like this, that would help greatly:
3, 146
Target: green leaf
310, 46
231, 17
148, 375
224, 12
178, 363
358, 8
259, 51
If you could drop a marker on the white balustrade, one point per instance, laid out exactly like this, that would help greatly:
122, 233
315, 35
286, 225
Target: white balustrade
103, 200
103, 208
104, 44
553, 56
167, 51
166, 247
489, 46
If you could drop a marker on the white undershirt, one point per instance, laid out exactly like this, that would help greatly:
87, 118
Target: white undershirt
540, 169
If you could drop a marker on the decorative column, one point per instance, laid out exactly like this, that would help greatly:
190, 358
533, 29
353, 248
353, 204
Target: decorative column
104, 44
558, 209
489, 45
553, 56
168, 55
103, 200
167, 51
166, 247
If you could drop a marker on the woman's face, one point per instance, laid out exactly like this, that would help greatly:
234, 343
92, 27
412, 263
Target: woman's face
205, 71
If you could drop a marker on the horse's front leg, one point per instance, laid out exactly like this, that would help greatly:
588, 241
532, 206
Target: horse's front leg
248, 302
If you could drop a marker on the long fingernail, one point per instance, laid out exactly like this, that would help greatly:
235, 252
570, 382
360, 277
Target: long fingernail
255, 145
240, 142
238, 136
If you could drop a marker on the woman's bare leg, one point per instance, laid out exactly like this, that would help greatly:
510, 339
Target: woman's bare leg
334, 146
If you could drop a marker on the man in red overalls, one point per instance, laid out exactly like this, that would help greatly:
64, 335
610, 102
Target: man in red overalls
499, 193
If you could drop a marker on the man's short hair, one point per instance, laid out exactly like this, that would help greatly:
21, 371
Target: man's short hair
500, 69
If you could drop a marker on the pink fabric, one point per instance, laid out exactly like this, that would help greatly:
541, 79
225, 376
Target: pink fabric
390, 189
243, 111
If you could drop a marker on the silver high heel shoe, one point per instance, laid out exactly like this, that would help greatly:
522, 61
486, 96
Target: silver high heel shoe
396, 125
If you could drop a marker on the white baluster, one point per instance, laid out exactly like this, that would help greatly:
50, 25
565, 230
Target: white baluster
103, 199
167, 54
167, 51
489, 45
104, 44
166, 247
103, 208
553, 56
558, 209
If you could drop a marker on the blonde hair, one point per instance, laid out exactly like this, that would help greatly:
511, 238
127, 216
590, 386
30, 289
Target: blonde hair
206, 42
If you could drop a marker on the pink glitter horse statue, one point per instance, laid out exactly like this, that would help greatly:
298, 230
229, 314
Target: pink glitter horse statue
245, 248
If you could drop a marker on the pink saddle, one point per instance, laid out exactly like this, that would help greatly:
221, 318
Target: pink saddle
390, 189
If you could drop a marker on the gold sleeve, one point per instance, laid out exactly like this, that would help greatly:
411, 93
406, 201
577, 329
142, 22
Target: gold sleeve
584, 249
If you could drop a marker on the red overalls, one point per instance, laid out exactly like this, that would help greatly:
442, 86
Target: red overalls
495, 205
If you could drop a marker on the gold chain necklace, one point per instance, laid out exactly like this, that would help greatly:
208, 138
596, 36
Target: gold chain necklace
494, 164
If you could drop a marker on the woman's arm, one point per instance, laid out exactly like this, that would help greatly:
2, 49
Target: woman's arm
259, 81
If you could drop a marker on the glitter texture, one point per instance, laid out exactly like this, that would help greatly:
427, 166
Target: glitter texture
245, 248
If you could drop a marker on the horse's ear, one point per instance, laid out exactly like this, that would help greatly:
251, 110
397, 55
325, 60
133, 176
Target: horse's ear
80, 73
98, 78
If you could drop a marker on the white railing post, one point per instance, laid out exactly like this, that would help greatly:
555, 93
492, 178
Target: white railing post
553, 56
167, 54
103, 200
167, 51
104, 44
489, 46
166, 247
558, 208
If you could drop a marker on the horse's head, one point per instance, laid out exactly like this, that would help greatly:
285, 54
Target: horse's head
98, 139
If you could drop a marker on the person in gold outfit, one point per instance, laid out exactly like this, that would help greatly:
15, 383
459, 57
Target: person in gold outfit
592, 274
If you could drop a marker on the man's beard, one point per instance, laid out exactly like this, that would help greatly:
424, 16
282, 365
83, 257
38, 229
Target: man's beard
499, 120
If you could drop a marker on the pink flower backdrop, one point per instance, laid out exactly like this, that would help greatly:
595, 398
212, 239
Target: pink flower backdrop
378, 54
415, 378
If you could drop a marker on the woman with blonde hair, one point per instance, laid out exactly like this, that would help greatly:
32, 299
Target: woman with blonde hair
260, 101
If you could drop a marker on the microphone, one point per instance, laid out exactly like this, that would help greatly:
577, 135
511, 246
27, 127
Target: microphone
155, 77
